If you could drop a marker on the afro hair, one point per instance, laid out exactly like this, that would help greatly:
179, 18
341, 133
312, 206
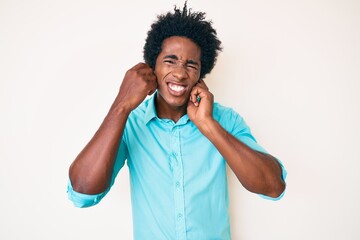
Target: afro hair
185, 23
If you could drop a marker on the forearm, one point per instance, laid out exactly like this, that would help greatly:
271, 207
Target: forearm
91, 171
257, 172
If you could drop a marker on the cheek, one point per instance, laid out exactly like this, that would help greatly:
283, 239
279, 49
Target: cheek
197, 79
192, 85
161, 74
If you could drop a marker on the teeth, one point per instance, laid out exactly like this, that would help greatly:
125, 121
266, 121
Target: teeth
176, 88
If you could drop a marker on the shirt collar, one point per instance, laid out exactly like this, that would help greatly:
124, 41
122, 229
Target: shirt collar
150, 112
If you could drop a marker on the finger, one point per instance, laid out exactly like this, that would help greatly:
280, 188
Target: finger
199, 93
148, 73
140, 66
190, 106
195, 93
153, 89
151, 76
202, 84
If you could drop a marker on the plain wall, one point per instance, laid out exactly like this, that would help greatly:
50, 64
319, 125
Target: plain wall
290, 68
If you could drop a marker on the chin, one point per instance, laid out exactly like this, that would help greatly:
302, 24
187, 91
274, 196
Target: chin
176, 101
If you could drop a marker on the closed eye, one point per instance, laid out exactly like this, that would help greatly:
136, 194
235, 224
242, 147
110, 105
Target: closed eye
169, 61
192, 66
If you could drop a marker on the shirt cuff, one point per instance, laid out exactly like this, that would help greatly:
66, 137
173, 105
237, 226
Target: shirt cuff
82, 200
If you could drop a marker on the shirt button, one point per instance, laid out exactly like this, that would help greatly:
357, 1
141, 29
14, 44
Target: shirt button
177, 184
179, 216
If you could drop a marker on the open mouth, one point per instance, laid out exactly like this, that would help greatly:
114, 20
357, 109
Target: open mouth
176, 89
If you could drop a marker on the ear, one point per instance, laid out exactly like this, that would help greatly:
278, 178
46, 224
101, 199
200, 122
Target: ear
154, 71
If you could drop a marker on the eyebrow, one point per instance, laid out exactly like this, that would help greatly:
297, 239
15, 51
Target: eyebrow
172, 56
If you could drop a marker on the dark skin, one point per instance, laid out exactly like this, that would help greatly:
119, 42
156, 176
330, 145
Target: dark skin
177, 78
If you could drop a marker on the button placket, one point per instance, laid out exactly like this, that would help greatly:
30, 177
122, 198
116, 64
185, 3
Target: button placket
178, 184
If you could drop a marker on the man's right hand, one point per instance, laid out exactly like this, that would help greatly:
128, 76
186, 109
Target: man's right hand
139, 81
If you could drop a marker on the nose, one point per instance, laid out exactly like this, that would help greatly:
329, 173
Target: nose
179, 71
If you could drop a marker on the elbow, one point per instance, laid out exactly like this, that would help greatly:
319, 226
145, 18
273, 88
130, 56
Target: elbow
276, 183
277, 189
86, 184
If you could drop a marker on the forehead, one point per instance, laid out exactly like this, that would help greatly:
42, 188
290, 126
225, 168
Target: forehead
182, 47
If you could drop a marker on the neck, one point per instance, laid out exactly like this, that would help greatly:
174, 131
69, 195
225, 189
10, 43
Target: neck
165, 111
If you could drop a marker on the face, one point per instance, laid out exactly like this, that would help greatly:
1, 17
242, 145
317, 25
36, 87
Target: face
177, 70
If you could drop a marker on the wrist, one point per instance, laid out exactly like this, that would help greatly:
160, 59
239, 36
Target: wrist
120, 108
208, 127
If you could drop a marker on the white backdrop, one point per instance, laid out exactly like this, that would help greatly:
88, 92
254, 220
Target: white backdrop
290, 68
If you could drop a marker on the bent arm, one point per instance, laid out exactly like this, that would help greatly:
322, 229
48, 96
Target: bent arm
258, 172
92, 170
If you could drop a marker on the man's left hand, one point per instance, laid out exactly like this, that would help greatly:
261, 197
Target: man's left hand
200, 105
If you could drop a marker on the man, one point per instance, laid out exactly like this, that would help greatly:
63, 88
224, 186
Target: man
177, 142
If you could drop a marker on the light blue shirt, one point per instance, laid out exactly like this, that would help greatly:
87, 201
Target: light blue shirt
178, 178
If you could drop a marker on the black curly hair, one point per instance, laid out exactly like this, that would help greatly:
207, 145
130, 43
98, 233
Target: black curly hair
187, 24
